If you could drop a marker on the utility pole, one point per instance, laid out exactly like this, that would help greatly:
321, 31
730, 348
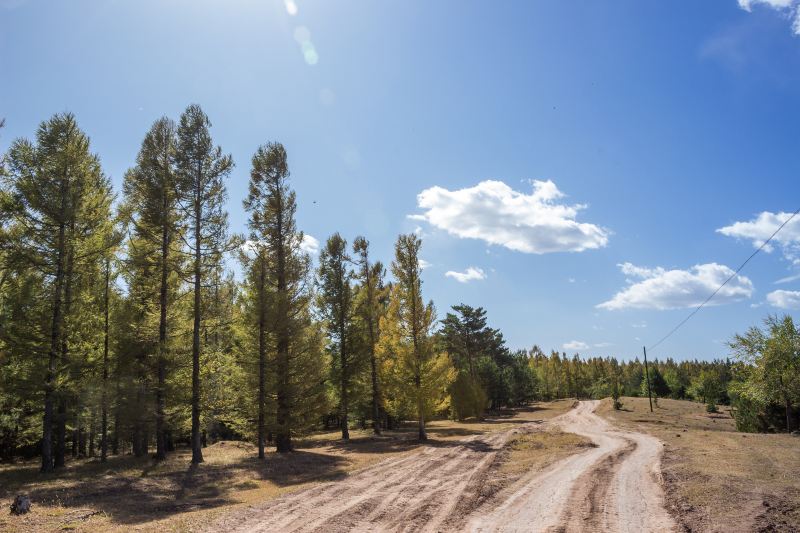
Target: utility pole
647, 377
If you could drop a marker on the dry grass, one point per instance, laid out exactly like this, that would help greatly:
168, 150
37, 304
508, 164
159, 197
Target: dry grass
532, 452
138, 494
716, 478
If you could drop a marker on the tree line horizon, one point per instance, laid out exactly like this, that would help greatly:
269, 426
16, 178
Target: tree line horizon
185, 352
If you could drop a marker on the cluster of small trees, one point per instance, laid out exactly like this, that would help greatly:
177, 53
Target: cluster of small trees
765, 386
559, 376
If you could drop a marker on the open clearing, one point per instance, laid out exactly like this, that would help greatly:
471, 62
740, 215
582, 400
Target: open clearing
604, 481
717, 479
549, 468
137, 494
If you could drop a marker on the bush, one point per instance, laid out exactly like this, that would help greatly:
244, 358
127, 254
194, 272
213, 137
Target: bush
617, 404
711, 407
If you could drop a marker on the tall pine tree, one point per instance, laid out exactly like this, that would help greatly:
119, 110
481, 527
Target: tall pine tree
151, 207
201, 173
408, 343
61, 201
370, 307
336, 305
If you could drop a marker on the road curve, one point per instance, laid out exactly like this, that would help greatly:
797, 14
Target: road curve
611, 487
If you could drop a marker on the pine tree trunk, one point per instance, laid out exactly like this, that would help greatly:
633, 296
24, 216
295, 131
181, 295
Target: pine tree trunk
61, 418
420, 410
117, 403
104, 397
61, 432
283, 437
376, 414
197, 452
343, 362
55, 343
91, 436
376, 395
76, 433
161, 444
262, 352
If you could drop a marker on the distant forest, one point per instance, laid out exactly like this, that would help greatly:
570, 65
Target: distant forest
122, 328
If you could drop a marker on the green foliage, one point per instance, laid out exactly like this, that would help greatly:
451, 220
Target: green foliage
416, 372
467, 397
768, 374
195, 355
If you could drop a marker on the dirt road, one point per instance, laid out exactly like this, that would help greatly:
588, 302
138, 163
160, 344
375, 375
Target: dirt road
611, 487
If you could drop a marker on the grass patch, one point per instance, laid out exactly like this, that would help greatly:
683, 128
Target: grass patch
530, 452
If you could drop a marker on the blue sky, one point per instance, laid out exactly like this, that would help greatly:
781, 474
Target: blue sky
579, 168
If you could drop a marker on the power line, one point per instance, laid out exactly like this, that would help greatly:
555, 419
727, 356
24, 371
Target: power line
694, 312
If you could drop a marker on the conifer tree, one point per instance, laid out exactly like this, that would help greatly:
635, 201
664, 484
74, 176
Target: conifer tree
201, 173
419, 372
151, 207
370, 307
297, 376
336, 305
61, 199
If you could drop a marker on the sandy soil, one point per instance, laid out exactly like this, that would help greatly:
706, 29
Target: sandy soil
612, 486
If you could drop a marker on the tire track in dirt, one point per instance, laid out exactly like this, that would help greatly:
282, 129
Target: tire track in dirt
612, 487
417, 492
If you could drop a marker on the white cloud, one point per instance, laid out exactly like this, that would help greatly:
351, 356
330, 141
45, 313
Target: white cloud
759, 229
634, 271
747, 5
788, 8
424, 264
576, 345
470, 274
639, 325
787, 279
675, 289
309, 245
603, 344
494, 212
784, 299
